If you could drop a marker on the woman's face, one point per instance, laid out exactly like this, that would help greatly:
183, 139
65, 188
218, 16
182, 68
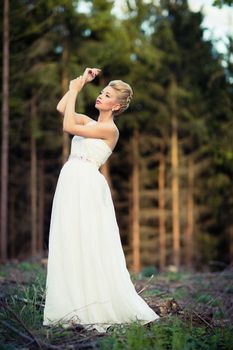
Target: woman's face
107, 100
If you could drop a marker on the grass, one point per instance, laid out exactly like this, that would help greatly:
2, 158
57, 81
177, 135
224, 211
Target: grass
201, 319
171, 333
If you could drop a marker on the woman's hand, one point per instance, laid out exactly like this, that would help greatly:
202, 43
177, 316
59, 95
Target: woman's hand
90, 74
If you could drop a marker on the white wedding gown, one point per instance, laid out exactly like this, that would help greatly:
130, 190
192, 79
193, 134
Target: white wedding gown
87, 279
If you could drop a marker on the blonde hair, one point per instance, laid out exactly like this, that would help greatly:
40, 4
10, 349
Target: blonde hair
124, 94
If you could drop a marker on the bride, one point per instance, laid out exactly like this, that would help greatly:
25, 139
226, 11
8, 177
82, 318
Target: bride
87, 279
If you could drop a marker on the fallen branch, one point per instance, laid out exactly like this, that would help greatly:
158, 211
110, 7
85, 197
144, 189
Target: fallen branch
146, 286
21, 334
32, 340
202, 319
40, 343
23, 324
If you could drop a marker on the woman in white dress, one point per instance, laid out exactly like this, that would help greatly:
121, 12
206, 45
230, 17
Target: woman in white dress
87, 279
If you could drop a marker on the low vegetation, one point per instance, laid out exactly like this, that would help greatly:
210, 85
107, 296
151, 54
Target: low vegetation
195, 310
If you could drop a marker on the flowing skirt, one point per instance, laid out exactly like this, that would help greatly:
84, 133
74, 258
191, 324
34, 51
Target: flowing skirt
87, 279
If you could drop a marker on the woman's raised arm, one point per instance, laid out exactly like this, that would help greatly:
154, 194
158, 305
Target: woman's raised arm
88, 76
61, 106
76, 85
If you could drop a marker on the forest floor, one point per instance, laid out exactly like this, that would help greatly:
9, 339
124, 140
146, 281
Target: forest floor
196, 312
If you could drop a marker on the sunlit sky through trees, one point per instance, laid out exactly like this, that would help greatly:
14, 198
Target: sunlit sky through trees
218, 22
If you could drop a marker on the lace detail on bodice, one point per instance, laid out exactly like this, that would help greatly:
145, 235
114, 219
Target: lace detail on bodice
93, 150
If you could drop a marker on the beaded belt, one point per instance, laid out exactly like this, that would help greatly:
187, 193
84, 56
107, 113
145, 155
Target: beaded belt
84, 158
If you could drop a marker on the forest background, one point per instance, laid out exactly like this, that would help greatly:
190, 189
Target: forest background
171, 172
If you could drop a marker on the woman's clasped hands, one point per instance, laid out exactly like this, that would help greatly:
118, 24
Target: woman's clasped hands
88, 75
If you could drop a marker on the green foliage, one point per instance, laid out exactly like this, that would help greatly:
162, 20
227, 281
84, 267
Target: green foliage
24, 306
220, 3
159, 49
149, 271
171, 276
167, 334
152, 292
181, 293
172, 332
27, 266
30, 312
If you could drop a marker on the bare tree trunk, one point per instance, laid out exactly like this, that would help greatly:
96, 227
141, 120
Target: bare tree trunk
231, 244
65, 81
190, 215
135, 203
33, 179
162, 218
5, 132
41, 198
175, 193
12, 226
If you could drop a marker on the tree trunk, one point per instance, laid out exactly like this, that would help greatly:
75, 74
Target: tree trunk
41, 198
12, 225
190, 215
175, 193
135, 204
5, 132
162, 219
231, 245
33, 179
65, 82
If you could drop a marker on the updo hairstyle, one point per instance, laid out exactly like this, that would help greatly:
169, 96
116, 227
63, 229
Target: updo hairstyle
124, 94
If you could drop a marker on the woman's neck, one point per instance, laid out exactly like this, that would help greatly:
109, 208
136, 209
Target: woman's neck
105, 117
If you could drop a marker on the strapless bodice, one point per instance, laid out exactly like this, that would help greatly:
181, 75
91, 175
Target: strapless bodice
91, 150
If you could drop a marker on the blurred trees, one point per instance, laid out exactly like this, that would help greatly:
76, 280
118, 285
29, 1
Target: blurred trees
5, 131
171, 171
220, 3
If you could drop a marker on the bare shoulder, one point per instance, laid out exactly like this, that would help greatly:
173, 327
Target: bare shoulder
113, 135
111, 126
82, 119
116, 131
